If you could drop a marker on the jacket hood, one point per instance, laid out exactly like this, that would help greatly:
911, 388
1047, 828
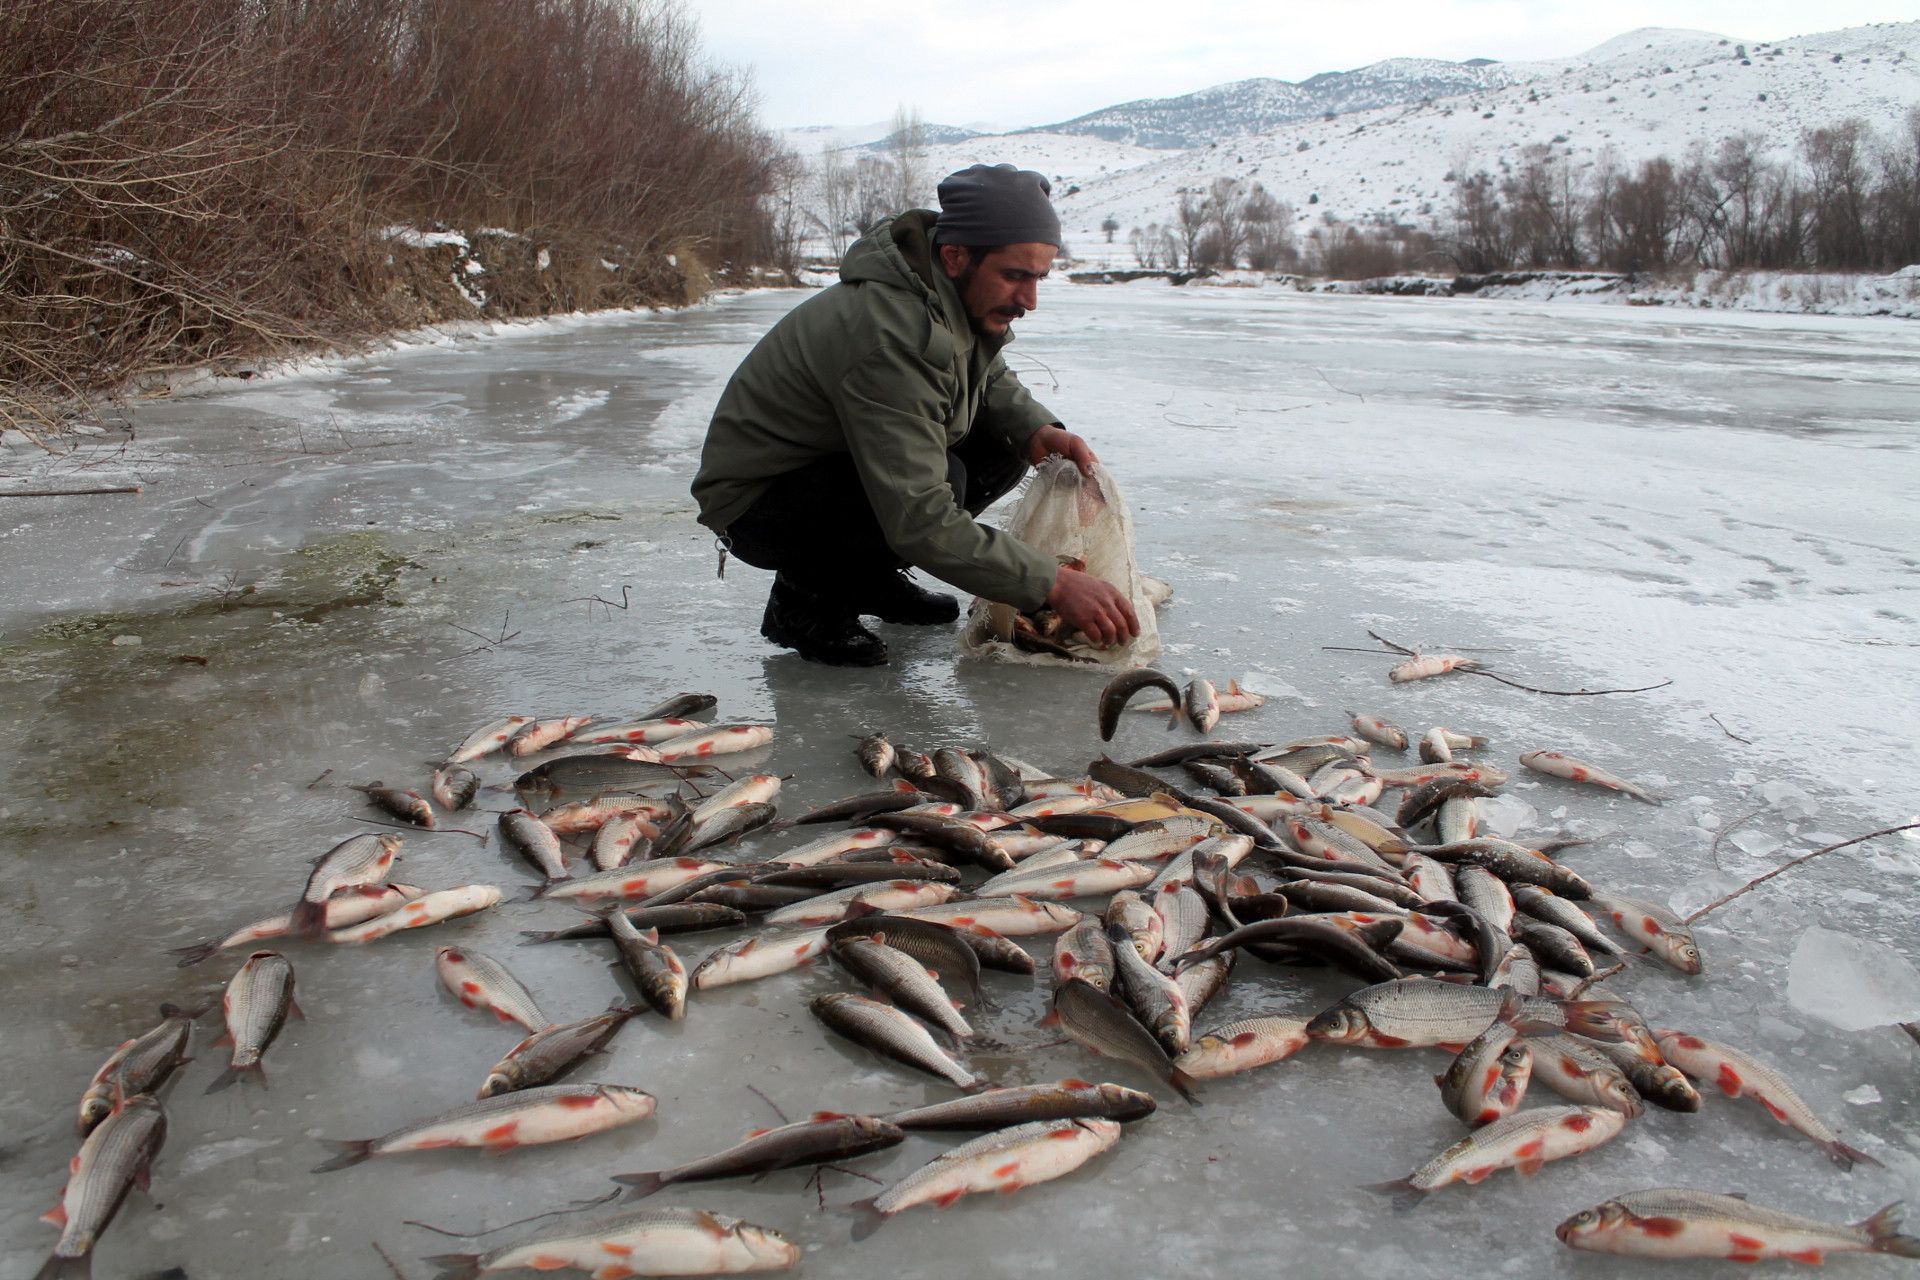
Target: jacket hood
898, 251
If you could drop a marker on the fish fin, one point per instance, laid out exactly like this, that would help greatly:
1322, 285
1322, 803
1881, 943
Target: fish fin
56, 1216
1530, 1167
905, 784
191, 956
821, 1117
224, 1039
294, 1009
642, 1184
310, 919
1185, 1085
1076, 1082
1886, 1231
1846, 1157
1441, 1080
232, 1075
58, 1268
455, 1266
1179, 714
1404, 1194
870, 1218
345, 1153
1051, 1020
1593, 1019
947, 1200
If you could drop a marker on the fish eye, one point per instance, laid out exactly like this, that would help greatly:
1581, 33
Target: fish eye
1585, 1218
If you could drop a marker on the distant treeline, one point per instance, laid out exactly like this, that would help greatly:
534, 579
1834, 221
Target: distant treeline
1846, 199
184, 181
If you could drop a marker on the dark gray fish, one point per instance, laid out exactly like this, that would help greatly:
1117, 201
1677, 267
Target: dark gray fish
875, 754
825, 1139
141, 1065
1398, 894
1486, 893
1312, 895
942, 948
545, 1056
857, 808
963, 770
1125, 779
1193, 751
824, 876
1113, 698
1425, 799
1263, 836
1003, 1108
256, 1004
1554, 945
744, 895
1547, 906
1008, 787
890, 1033
1214, 777
1083, 826
678, 917
680, 706
408, 806
534, 840
655, 969
1349, 951
1514, 864
960, 837
1100, 1023
589, 772
1492, 944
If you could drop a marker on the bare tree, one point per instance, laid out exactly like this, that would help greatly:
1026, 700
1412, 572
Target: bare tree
1190, 224
908, 145
875, 186
835, 196
1836, 161
1269, 231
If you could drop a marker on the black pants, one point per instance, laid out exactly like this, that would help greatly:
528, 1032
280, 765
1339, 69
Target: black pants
815, 527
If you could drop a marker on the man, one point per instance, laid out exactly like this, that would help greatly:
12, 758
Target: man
870, 426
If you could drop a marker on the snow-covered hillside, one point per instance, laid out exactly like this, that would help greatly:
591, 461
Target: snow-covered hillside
1650, 92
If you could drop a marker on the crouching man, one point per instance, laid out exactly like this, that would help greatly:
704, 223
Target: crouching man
869, 427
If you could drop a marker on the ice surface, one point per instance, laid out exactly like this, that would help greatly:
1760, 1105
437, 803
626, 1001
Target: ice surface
1852, 982
1726, 502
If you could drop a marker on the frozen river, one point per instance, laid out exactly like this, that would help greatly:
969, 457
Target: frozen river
377, 560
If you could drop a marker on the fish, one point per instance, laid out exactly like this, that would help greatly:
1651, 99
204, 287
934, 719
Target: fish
1421, 666
829, 847
1285, 940
1525, 1140
1081, 878
961, 768
1027, 1104
1556, 765
655, 969
1310, 895
902, 979
349, 906
1741, 1075
633, 882
1658, 1082
1084, 952
1513, 862
578, 816
454, 787
1371, 829
937, 946
1241, 1046
551, 1052
1679, 1222
916, 765
1486, 893
1550, 908
948, 833
681, 704
678, 917
1201, 705
479, 981
1318, 838
643, 732
1083, 826
1425, 798
256, 1005
1098, 1022
620, 841
759, 955
720, 740
726, 824
875, 754
1134, 916
1004, 1161
1113, 698
1488, 1079
141, 1065
116, 1156
620, 766
1215, 777
1155, 998
1653, 927
1418, 1012
432, 908
498, 1124
1375, 729
487, 739
1184, 915
635, 1242
823, 876
355, 860
542, 734
1430, 878
1218, 751
408, 806
1555, 947
536, 842
1457, 819
888, 895
995, 951
1234, 699
827, 1138
1582, 1074
890, 1033
1010, 917
757, 788
1517, 969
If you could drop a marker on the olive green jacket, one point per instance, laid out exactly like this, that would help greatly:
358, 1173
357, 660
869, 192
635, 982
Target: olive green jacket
885, 367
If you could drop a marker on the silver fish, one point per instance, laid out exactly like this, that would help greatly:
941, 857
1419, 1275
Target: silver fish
891, 1034
479, 981
257, 1002
356, 860
118, 1154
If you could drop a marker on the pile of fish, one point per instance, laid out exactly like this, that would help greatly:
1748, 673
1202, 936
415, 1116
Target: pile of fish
1151, 885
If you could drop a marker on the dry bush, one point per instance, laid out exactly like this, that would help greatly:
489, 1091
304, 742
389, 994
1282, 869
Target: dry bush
193, 181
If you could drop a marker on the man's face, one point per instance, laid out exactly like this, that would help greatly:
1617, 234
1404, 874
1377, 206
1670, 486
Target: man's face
1004, 287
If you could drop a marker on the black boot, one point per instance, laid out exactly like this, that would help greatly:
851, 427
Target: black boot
818, 629
895, 597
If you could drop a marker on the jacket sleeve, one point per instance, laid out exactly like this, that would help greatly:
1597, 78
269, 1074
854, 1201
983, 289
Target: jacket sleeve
892, 405
1009, 410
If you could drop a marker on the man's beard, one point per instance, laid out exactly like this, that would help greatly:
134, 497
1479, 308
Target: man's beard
963, 282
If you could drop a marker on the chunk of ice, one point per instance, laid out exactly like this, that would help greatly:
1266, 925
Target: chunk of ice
1865, 1096
1756, 844
1853, 983
1790, 801
1695, 894
1505, 815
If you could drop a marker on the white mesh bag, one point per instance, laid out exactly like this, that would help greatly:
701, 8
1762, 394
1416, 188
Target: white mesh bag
1075, 520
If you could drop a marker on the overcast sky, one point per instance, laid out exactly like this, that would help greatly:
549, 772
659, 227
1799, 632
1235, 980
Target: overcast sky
1027, 62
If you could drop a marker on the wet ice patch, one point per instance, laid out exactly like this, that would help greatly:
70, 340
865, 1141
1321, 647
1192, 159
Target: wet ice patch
201, 1159
579, 404
1853, 983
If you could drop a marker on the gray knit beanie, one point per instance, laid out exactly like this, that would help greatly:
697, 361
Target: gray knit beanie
990, 205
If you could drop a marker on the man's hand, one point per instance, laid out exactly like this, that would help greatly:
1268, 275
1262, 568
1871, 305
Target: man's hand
1057, 439
1094, 605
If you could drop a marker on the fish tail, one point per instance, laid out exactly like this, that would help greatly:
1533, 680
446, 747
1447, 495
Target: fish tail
1594, 1019
534, 936
1886, 1228
871, 1219
194, 954
310, 919
455, 1266
1846, 1157
1405, 1195
233, 1075
60, 1268
1185, 1085
345, 1153
642, 1184
1179, 714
